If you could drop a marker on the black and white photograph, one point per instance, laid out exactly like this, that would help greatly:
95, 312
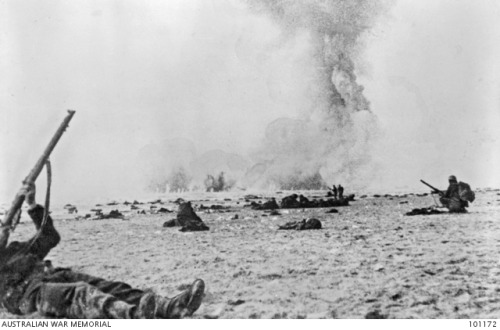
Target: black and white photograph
249, 159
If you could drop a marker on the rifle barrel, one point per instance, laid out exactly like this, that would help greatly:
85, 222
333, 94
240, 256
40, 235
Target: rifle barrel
33, 175
428, 185
35, 172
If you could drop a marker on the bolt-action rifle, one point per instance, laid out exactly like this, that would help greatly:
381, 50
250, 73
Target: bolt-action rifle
434, 189
10, 220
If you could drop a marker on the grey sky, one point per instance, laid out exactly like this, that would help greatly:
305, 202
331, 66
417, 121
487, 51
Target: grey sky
211, 71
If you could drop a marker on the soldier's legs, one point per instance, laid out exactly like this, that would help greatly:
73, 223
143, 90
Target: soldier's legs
184, 304
445, 201
120, 290
81, 300
453, 206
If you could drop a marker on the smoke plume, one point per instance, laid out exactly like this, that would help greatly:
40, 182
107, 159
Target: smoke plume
330, 142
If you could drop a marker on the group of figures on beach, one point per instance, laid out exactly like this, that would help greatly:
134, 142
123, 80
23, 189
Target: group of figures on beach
30, 284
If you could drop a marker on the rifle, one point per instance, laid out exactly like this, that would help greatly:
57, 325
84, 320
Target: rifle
31, 178
434, 189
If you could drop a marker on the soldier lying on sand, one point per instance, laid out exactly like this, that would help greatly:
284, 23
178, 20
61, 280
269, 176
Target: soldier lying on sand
28, 284
305, 224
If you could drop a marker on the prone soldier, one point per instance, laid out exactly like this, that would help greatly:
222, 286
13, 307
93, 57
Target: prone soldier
29, 284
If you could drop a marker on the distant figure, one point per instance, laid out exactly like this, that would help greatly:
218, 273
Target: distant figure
304, 201
341, 192
335, 192
457, 197
187, 219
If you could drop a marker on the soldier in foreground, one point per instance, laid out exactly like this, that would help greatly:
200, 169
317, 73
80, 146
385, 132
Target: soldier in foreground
28, 284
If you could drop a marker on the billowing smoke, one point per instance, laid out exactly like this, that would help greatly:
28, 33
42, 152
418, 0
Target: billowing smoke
175, 165
330, 142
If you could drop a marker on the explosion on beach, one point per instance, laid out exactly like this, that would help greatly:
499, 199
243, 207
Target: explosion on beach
331, 138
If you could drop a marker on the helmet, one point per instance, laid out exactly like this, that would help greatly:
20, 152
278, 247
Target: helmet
452, 178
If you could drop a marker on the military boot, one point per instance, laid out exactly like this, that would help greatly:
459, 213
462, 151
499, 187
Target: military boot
182, 305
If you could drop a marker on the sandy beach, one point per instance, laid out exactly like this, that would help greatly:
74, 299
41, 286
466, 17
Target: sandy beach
369, 259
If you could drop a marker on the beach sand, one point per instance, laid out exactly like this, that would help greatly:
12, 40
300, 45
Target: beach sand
368, 258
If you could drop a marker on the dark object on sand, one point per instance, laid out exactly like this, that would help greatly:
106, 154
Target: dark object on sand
269, 205
424, 211
213, 207
170, 223
187, 219
332, 211
310, 223
71, 208
375, 315
164, 210
291, 202
274, 212
114, 214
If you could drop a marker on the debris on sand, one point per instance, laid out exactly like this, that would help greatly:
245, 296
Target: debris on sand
376, 314
187, 219
269, 205
236, 302
305, 224
170, 223
71, 208
274, 212
213, 207
332, 211
251, 197
424, 211
114, 214
164, 210
291, 202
